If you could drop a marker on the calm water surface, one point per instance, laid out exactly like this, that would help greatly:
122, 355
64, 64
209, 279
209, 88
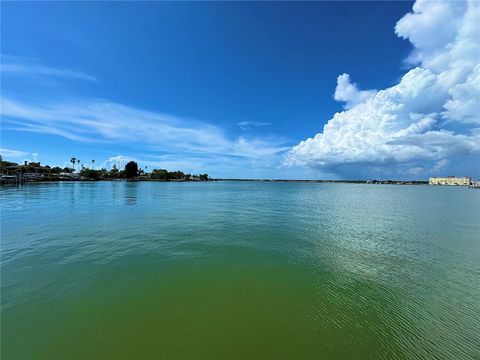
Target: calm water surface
115, 270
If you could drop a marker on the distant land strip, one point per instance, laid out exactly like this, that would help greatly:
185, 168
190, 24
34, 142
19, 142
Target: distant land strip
393, 182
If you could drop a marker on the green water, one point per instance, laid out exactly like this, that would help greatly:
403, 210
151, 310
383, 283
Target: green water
236, 270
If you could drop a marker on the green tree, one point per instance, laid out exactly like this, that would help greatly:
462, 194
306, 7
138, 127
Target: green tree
91, 174
159, 174
114, 173
131, 170
73, 161
176, 175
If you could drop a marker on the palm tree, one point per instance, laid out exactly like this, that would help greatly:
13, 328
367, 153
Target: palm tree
78, 162
73, 161
93, 164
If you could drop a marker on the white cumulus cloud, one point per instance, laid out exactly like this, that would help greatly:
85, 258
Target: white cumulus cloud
464, 104
431, 115
349, 93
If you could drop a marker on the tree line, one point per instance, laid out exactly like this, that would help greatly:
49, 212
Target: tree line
130, 171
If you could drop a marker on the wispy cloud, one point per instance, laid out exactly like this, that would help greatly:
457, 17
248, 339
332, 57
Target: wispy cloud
246, 125
13, 154
178, 143
27, 66
104, 121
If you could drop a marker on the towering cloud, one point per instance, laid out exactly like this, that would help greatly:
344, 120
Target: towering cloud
349, 93
430, 117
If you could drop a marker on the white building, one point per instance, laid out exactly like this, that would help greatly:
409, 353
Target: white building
450, 180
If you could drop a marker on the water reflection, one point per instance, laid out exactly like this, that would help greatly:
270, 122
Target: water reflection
130, 193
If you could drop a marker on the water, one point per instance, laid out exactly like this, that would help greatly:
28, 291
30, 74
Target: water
238, 270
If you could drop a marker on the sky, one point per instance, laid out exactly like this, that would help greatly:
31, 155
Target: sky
283, 90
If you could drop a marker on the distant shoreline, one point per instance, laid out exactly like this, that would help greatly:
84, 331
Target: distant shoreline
367, 182
385, 182
34, 172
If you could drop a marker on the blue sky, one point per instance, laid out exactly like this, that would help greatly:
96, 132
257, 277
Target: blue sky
232, 89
